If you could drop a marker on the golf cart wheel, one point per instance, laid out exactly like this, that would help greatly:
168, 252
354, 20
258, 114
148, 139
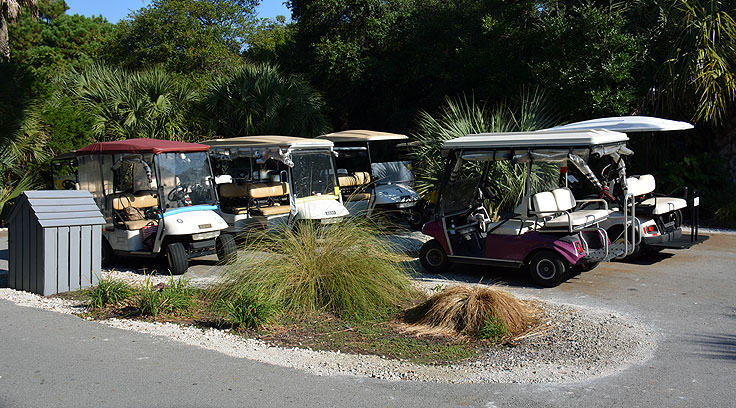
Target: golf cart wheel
108, 256
415, 219
177, 259
433, 257
547, 269
227, 249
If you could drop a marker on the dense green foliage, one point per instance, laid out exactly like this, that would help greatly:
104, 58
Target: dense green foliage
185, 36
193, 69
258, 99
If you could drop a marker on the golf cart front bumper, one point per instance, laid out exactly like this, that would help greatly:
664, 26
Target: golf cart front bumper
201, 248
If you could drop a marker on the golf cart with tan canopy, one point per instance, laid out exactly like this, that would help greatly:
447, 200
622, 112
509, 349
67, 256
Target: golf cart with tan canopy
373, 178
269, 180
158, 198
659, 216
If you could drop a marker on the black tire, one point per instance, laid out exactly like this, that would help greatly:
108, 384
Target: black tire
415, 219
176, 258
547, 268
227, 249
108, 256
433, 257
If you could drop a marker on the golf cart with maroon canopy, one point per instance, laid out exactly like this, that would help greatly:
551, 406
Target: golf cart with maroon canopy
158, 197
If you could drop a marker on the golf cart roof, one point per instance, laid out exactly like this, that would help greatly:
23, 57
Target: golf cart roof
141, 146
536, 140
361, 136
628, 124
268, 141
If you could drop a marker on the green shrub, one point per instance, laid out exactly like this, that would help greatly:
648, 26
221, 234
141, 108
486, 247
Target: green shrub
176, 296
248, 309
345, 268
109, 292
494, 329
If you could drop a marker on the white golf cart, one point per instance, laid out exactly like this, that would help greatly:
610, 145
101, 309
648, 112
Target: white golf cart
158, 197
373, 178
544, 233
264, 181
659, 217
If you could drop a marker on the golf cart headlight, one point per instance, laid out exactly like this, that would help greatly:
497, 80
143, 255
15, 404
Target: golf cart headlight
205, 235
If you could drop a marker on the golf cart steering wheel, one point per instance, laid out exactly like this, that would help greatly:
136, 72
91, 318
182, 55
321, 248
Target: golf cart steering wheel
177, 193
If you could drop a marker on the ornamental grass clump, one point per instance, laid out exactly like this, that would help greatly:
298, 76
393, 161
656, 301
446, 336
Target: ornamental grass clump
247, 309
476, 311
174, 297
345, 269
108, 292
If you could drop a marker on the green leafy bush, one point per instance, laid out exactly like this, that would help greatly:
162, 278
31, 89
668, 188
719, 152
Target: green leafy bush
494, 329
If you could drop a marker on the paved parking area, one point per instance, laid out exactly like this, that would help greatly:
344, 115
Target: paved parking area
688, 297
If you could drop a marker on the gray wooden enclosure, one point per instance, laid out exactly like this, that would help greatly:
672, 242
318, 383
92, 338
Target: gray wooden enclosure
54, 241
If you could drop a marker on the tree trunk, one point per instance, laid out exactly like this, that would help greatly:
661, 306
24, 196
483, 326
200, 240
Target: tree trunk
4, 40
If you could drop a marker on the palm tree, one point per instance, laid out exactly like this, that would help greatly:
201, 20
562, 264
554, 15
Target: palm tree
258, 99
149, 103
700, 68
461, 117
9, 11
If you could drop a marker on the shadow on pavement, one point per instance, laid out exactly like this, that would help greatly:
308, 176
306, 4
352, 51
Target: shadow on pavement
716, 346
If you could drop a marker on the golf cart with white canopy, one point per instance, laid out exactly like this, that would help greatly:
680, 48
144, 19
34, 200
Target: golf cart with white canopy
158, 198
659, 216
264, 181
544, 234
373, 177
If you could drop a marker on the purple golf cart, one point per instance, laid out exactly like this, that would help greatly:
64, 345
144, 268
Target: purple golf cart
544, 233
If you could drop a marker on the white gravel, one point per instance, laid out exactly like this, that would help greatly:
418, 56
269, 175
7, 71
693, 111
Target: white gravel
579, 343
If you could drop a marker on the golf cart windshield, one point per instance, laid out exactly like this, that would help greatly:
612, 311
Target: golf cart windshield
313, 174
186, 179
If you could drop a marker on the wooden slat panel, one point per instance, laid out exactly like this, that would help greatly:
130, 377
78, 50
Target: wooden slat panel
12, 252
35, 202
54, 207
49, 261
32, 251
76, 221
67, 215
26, 249
38, 253
74, 243
62, 260
85, 256
96, 250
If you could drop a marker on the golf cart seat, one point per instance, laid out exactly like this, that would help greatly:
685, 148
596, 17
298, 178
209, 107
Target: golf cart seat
267, 192
663, 205
359, 178
140, 202
555, 209
640, 185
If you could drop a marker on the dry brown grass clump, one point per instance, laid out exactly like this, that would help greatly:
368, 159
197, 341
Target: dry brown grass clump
468, 309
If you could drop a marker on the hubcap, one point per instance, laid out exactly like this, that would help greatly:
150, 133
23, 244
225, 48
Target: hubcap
435, 257
546, 269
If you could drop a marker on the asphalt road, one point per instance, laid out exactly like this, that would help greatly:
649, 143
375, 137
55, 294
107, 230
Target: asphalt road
688, 297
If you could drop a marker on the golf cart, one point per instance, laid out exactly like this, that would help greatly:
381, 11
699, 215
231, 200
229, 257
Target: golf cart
372, 177
659, 217
158, 198
264, 181
544, 233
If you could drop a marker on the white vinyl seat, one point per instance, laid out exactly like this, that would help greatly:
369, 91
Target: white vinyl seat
663, 205
640, 185
555, 209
